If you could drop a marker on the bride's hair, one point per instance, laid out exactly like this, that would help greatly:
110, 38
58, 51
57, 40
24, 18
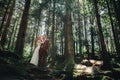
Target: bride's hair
38, 38
41, 38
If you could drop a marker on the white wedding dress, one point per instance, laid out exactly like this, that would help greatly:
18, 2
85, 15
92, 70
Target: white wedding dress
35, 57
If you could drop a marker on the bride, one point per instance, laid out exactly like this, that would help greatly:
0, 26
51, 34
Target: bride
40, 52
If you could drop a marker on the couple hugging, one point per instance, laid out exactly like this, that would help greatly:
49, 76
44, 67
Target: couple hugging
40, 53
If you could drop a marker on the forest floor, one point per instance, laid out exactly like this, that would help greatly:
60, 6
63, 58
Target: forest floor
13, 69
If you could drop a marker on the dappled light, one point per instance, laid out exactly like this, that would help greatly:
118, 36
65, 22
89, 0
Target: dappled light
59, 40
85, 69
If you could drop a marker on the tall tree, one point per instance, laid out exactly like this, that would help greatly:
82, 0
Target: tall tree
79, 28
23, 28
4, 16
4, 34
15, 31
116, 9
104, 53
92, 42
52, 34
69, 42
85, 28
116, 40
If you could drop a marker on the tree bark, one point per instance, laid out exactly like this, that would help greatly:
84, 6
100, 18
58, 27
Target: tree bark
117, 11
117, 45
92, 42
15, 31
33, 35
12, 32
53, 35
104, 53
69, 42
4, 35
23, 28
80, 41
4, 16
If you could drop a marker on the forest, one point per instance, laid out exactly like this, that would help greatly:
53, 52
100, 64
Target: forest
83, 37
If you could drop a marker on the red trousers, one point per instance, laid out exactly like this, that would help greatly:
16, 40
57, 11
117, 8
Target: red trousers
42, 57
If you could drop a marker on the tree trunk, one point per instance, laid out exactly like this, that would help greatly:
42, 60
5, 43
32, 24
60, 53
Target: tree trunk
15, 31
4, 16
85, 22
117, 45
92, 43
4, 35
12, 32
48, 32
53, 36
80, 41
22, 31
117, 12
33, 36
69, 42
92, 30
104, 53
79, 28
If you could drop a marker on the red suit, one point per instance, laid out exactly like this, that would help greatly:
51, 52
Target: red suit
43, 52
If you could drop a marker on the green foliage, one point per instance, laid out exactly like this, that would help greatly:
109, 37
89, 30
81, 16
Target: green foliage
38, 8
3, 3
106, 78
27, 50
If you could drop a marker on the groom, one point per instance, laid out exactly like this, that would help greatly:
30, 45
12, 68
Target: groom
45, 44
